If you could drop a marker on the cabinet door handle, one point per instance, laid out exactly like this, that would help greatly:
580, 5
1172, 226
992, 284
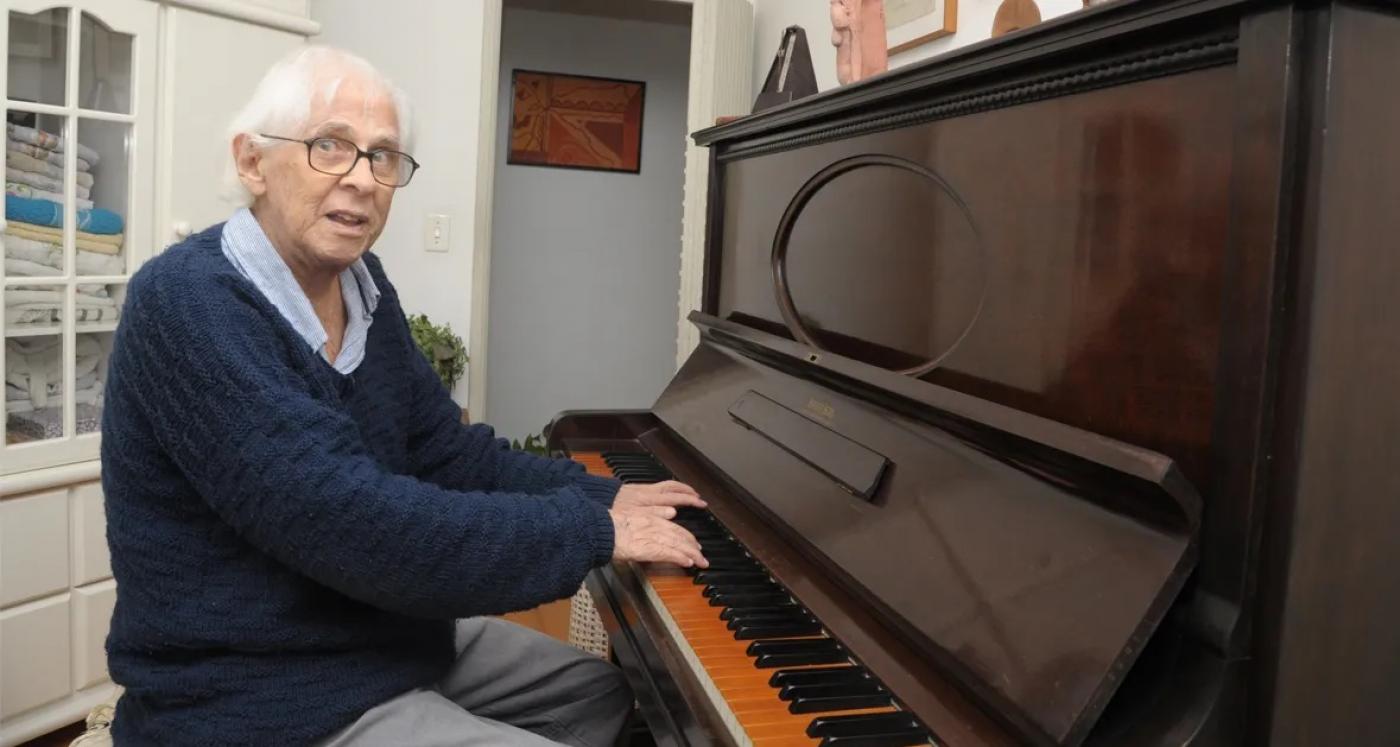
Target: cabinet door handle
181, 229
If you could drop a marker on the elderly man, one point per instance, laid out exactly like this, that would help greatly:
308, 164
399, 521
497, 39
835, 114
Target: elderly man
296, 515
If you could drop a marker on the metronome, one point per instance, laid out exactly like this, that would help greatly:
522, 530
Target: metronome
791, 76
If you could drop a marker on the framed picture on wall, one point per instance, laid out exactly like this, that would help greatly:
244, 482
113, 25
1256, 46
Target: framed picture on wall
911, 23
576, 121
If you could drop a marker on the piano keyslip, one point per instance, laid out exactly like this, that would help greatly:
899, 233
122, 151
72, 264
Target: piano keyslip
749, 642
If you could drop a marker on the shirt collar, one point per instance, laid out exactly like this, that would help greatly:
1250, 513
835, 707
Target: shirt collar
249, 250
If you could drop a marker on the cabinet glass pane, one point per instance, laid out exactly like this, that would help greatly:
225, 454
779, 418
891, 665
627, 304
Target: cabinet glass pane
38, 56
33, 388
103, 162
90, 352
34, 189
33, 309
104, 70
97, 306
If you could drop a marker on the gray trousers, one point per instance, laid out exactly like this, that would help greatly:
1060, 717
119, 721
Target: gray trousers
509, 686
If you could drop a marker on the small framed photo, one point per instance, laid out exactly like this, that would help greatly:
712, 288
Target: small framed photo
911, 23
576, 122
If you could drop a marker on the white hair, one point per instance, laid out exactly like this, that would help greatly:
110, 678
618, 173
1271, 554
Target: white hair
281, 104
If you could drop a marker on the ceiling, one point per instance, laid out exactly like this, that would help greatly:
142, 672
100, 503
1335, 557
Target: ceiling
675, 12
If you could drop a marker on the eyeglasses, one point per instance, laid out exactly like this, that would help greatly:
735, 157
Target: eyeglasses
337, 157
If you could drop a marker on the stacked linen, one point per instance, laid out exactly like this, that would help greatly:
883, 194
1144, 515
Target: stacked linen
32, 250
34, 385
34, 166
38, 305
33, 236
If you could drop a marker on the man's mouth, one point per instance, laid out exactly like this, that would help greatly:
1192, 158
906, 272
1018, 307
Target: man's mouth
348, 218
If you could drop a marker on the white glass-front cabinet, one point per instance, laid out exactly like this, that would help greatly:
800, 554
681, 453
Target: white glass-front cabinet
87, 176
80, 84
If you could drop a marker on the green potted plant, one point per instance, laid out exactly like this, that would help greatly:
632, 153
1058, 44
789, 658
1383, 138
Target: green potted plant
443, 349
534, 443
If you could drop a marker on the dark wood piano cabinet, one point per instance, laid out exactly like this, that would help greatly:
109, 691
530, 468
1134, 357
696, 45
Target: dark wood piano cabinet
1149, 494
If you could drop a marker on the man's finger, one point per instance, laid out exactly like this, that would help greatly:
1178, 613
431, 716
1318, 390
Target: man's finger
674, 486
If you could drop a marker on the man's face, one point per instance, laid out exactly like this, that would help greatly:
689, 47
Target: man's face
321, 221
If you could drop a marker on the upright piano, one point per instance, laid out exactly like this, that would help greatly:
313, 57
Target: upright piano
1045, 394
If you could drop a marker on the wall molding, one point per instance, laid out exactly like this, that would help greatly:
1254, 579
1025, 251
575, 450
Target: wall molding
48, 478
242, 11
485, 205
721, 82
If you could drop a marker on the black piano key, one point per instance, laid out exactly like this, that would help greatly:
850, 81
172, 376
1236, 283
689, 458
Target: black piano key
634, 474
906, 738
783, 646
730, 564
761, 587
858, 687
629, 456
729, 613
707, 578
721, 561
872, 729
765, 599
762, 631
821, 676
793, 615
703, 532
798, 659
802, 704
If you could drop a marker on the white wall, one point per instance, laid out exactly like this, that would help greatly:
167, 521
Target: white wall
772, 16
434, 53
585, 264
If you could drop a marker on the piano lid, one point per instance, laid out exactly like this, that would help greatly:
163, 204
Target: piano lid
1030, 559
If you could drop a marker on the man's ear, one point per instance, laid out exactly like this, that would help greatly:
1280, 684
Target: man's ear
247, 157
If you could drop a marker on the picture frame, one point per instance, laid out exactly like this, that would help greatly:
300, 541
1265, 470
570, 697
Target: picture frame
913, 23
569, 121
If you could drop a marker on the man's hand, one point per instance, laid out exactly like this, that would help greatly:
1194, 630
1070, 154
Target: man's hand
659, 498
641, 535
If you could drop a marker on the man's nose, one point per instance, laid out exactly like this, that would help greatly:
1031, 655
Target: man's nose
360, 176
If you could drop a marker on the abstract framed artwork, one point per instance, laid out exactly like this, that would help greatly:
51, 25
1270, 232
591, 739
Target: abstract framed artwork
576, 121
911, 23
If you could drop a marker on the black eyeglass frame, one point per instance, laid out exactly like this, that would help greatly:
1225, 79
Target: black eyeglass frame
359, 153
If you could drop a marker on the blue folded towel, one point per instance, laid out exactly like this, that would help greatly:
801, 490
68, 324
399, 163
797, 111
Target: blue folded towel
50, 213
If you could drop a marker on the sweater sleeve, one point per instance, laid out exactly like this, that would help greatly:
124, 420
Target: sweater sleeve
457, 456
277, 461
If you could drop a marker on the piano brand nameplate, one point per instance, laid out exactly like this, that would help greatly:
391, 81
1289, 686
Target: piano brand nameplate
855, 468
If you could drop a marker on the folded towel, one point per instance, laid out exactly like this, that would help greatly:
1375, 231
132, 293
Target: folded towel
40, 314
86, 383
16, 160
42, 181
24, 190
83, 240
47, 213
24, 294
48, 140
24, 267
55, 234
51, 253
48, 156
47, 422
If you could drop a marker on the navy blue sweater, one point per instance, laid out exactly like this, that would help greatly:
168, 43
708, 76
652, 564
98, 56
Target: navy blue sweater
292, 544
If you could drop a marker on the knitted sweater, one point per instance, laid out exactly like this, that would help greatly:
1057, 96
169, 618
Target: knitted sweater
292, 544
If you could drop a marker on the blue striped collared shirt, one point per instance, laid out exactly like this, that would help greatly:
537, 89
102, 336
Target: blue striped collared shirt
251, 253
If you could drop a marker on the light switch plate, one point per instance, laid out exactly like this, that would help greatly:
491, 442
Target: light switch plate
436, 233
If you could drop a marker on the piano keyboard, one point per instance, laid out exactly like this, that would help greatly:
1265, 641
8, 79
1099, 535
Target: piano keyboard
769, 668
